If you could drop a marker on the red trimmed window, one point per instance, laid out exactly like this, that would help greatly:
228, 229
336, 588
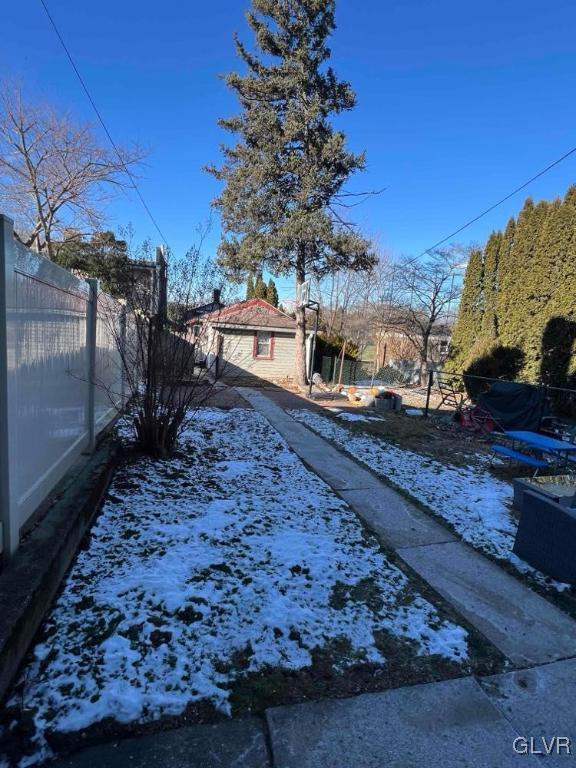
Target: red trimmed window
263, 348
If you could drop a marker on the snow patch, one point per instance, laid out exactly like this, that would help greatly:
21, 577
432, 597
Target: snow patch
345, 416
232, 549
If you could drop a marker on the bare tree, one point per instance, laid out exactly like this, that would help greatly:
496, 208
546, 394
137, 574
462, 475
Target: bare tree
338, 295
416, 300
55, 177
345, 298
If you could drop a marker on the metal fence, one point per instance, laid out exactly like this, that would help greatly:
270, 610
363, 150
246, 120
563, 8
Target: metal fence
61, 379
335, 371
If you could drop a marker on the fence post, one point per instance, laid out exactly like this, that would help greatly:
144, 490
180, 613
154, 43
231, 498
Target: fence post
429, 389
8, 506
91, 322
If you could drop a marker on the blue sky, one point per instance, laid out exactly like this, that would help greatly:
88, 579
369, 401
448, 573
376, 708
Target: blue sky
458, 102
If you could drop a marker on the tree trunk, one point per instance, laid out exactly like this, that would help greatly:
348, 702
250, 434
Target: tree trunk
422, 373
300, 324
342, 362
424, 360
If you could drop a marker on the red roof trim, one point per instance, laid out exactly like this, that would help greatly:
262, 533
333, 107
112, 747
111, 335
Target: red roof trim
242, 306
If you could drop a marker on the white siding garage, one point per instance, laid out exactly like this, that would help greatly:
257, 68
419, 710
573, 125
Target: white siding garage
250, 340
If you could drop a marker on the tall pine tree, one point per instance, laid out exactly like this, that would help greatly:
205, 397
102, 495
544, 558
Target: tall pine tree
562, 257
284, 174
470, 311
260, 290
531, 290
250, 286
511, 272
489, 328
557, 358
272, 293
527, 285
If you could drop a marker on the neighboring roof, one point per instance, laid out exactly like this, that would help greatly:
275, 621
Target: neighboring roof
204, 309
252, 313
142, 264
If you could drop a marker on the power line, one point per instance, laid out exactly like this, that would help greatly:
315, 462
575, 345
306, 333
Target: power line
492, 207
153, 220
102, 123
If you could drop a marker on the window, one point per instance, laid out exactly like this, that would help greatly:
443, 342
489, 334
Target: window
264, 345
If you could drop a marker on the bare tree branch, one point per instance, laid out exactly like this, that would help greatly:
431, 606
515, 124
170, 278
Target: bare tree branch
54, 175
417, 299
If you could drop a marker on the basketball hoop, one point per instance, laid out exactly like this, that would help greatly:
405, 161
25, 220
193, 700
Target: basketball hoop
303, 298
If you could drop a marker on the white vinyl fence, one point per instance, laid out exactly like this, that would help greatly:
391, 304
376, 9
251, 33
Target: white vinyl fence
61, 379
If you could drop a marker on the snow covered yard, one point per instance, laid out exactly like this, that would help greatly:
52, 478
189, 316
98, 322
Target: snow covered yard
477, 505
204, 573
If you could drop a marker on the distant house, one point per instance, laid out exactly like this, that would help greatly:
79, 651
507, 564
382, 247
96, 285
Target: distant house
248, 340
212, 307
401, 347
146, 286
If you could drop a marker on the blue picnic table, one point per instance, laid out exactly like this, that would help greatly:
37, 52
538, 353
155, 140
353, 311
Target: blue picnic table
542, 442
560, 449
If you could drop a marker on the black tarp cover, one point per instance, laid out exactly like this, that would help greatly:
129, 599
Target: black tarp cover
514, 406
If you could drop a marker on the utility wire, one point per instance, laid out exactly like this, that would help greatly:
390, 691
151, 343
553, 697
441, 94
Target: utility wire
153, 220
102, 123
492, 207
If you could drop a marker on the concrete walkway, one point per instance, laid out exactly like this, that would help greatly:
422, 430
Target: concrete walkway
454, 723
522, 625
234, 744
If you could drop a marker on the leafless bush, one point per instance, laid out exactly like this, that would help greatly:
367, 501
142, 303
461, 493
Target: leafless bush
160, 346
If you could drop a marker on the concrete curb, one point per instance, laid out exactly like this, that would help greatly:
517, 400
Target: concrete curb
32, 578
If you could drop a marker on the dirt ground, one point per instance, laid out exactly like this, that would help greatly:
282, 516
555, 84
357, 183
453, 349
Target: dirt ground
222, 396
438, 436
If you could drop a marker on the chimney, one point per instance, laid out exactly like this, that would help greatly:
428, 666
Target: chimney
216, 296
